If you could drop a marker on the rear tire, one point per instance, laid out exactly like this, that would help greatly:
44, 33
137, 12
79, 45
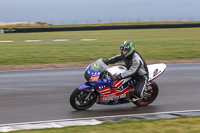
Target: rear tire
78, 99
150, 94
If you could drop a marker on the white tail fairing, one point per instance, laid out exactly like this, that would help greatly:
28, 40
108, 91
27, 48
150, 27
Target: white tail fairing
155, 70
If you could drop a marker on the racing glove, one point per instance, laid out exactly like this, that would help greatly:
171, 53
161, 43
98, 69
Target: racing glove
118, 77
106, 62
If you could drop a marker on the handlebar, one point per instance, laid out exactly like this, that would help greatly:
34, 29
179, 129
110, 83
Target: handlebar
109, 74
105, 74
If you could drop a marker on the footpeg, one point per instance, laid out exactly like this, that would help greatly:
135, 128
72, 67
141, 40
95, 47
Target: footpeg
134, 99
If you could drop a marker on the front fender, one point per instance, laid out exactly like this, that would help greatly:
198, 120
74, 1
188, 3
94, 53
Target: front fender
86, 87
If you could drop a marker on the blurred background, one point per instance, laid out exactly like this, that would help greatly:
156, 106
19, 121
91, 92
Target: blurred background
42, 95
62, 12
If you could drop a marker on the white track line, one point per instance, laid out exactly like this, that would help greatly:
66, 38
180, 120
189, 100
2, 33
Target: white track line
6, 41
61, 40
32, 40
78, 121
57, 40
113, 116
88, 39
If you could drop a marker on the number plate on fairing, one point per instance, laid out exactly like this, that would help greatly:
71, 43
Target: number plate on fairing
94, 79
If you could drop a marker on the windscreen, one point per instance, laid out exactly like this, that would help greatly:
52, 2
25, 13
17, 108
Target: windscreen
98, 65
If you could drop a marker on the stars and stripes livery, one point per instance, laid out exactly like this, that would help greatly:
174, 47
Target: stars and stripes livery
118, 88
108, 91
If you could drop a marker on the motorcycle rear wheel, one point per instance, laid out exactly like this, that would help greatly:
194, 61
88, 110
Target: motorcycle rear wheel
82, 100
150, 95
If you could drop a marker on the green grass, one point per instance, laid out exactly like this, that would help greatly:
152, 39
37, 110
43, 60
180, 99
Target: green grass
102, 24
177, 125
152, 44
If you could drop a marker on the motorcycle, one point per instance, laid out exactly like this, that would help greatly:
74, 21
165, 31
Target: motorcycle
101, 89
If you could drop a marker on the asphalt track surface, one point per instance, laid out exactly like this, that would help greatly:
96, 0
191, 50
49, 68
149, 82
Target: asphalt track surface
41, 95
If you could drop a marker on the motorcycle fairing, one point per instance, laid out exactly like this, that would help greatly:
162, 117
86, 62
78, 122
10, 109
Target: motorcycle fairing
119, 89
95, 80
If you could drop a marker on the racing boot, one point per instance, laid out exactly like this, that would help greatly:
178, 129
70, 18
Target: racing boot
132, 96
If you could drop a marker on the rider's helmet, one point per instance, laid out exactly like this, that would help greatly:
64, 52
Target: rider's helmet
127, 48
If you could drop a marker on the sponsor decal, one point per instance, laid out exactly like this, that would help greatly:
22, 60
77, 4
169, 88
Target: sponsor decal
88, 72
156, 72
94, 79
95, 65
108, 97
111, 97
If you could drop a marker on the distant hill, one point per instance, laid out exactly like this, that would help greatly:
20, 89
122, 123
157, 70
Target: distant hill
23, 23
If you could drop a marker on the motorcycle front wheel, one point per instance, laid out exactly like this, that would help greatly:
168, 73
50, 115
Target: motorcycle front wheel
82, 100
149, 95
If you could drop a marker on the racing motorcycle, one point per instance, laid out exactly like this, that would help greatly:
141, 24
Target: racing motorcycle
101, 89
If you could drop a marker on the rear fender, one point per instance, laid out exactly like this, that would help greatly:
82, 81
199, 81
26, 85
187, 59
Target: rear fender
86, 87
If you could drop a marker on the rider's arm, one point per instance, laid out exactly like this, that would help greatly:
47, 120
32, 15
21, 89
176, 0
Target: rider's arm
114, 59
133, 70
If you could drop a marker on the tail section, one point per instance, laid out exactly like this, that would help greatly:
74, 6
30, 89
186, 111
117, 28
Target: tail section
155, 70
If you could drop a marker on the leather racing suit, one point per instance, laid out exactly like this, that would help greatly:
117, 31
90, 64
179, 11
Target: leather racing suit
137, 68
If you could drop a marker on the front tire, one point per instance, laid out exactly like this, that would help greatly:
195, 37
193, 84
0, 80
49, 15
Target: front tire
150, 94
82, 100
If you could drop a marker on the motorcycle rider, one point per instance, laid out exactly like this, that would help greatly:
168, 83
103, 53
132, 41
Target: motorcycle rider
136, 66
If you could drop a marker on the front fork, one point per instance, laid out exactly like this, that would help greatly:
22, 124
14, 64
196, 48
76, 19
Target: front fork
87, 87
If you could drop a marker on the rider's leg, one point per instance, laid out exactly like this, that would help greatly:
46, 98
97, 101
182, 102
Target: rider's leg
141, 83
